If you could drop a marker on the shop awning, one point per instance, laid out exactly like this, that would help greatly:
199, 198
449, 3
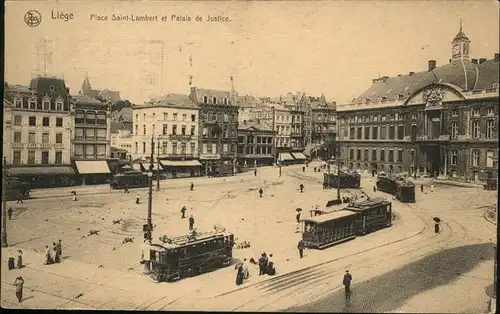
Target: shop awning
155, 166
299, 156
92, 167
285, 156
41, 170
181, 163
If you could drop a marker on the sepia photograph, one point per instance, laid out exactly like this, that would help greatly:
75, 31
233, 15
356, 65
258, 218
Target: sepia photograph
250, 156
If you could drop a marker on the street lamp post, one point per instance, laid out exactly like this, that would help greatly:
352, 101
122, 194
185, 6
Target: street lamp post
150, 195
4, 204
158, 170
337, 159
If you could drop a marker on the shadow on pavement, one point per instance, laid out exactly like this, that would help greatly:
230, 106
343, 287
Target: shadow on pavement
391, 290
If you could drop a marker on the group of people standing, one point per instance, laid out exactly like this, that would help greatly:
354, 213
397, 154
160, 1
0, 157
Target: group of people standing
54, 255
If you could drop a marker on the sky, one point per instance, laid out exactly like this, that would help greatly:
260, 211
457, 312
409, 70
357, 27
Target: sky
269, 48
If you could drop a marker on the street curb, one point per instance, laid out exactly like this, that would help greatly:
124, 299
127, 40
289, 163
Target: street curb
459, 184
320, 264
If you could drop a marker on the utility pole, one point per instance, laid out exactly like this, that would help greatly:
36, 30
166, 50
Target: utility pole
4, 204
158, 170
150, 195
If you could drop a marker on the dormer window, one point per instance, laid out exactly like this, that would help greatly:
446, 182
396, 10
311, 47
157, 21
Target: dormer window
59, 104
18, 102
32, 103
491, 112
46, 103
475, 112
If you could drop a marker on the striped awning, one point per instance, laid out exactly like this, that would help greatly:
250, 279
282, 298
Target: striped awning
61, 170
180, 163
299, 156
92, 166
285, 156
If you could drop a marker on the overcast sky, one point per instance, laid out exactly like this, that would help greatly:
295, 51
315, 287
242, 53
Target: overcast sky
270, 48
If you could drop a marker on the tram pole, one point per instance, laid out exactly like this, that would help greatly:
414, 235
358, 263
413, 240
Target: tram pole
337, 160
150, 195
4, 204
158, 170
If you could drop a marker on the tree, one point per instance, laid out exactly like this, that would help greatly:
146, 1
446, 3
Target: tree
331, 146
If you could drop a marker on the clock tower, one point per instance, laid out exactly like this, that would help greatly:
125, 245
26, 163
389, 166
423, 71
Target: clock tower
460, 47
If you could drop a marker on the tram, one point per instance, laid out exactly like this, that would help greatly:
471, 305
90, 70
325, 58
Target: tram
347, 180
130, 179
16, 189
401, 188
189, 255
359, 218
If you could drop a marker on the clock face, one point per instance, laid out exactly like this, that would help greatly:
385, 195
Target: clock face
456, 49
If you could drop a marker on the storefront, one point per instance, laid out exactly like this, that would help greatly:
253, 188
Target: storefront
39, 177
285, 159
299, 158
181, 168
93, 171
209, 163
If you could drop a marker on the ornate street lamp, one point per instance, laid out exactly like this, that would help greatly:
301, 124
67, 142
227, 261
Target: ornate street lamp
4, 204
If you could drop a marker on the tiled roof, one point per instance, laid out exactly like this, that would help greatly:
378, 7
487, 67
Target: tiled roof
212, 93
110, 95
123, 115
466, 75
175, 100
316, 105
94, 93
117, 126
255, 125
86, 100
20, 89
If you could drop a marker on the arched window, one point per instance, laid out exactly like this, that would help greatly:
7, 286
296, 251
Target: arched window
90, 117
79, 116
101, 117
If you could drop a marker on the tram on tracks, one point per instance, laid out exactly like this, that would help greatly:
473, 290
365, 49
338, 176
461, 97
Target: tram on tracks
359, 218
189, 255
401, 188
131, 179
348, 180
16, 189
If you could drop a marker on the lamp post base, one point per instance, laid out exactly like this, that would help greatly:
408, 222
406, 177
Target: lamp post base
4, 239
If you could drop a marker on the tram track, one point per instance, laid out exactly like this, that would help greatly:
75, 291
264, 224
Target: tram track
301, 280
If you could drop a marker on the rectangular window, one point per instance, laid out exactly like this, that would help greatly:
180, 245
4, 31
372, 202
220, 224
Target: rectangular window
136, 147
205, 148
183, 130
17, 137
90, 134
165, 129
489, 159
144, 130
59, 122
18, 102
383, 134
401, 132
475, 158
193, 147
31, 157
32, 103
374, 132
358, 155
490, 112
154, 129
79, 150
17, 157
205, 131
352, 133
382, 155
45, 121
475, 129
18, 120
391, 132
90, 117
32, 121
79, 133
359, 134
101, 117
214, 148
193, 118
183, 148
101, 134
412, 155
400, 155
175, 116
79, 117
58, 159
367, 132
454, 129
45, 138
174, 129
174, 148
351, 154
214, 100
90, 151
374, 155
184, 116
226, 118
45, 158
32, 138
193, 129
453, 157
490, 127
101, 150
59, 105
225, 148
165, 116
214, 117
365, 155
46, 104
390, 156
143, 147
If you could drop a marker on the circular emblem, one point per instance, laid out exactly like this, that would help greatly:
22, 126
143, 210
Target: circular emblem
33, 18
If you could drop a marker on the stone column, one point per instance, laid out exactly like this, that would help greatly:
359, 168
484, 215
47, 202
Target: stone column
426, 131
445, 151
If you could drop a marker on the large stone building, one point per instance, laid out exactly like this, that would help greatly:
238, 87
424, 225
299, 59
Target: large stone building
218, 127
442, 121
37, 132
172, 123
255, 144
91, 138
324, 120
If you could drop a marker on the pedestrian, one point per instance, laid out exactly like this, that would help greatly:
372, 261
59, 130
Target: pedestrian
374, 189
301, 246
262, 264
19, 259
261, 192
192, 186
9, 213
271, 268
57, 257
59, 247
297, 217
183, 211
301, 187
436, 227
246, 273
303, 169
19, 282
19, 198
314, 169
255, 172
126, 189
239, 276
191, 223
74, 196
142, 257
421, 187
48, 256
432, 187
137, 198
347, 284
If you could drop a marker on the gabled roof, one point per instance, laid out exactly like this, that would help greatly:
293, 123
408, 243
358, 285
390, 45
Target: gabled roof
171, 100
111, 95
82, 99
249, 125
123, 115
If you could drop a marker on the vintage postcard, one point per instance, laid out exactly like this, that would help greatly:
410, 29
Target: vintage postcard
253, 156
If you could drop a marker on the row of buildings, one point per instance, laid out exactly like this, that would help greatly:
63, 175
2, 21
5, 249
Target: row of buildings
441, 122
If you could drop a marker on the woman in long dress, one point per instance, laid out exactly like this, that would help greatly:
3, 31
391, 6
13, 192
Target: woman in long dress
239, 275
19, 259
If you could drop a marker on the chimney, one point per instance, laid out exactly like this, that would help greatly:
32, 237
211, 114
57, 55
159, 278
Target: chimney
411, 73
482, 60
474, 61
497, 57
432, 65
374, 80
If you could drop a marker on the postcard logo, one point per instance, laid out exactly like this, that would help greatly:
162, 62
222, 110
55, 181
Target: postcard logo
33, 18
